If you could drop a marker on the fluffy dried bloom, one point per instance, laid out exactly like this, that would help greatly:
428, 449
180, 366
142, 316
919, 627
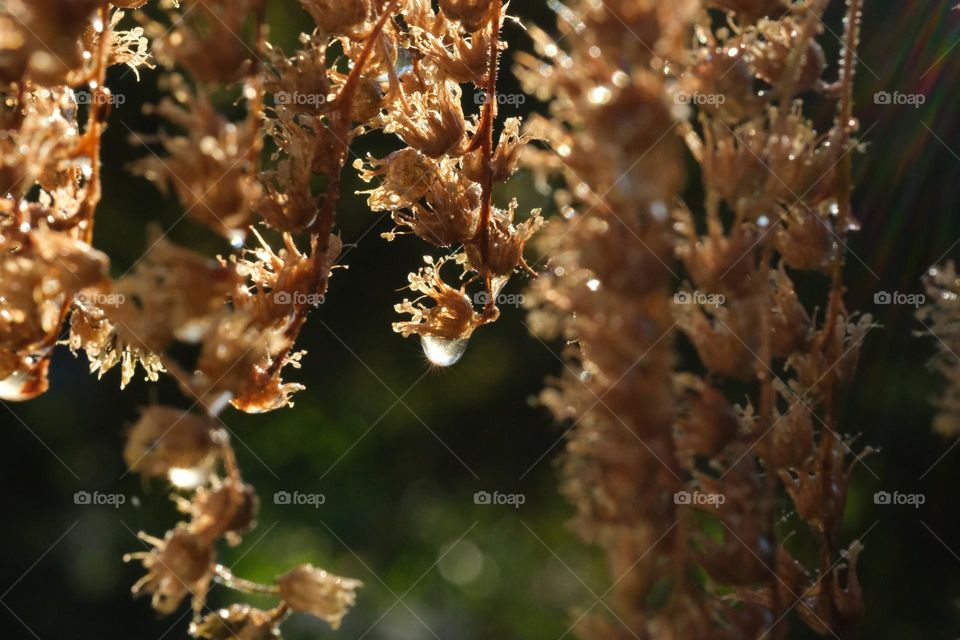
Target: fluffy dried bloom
40, 272
238, 622
406, 177
236, 362
430, 121
507, 241
452, 316
321, 594
105, 347
450, 211
166, 438
459, 57
225, 510
178, 566
505, 159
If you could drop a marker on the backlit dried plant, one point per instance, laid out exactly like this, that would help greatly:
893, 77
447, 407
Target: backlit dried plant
692, 473
397, 66
687, 471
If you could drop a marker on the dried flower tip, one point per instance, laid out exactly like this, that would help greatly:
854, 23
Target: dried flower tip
321, 594
451, 318
407, 175
225, 510
238, 622
179, 565
506, 242
505, 159
165, 439
431, 121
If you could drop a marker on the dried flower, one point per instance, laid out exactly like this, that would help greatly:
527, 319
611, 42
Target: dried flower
318, 593
240, 622
165, 438
178, 566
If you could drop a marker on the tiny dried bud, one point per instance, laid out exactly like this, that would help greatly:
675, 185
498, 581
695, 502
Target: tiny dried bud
239, 622
166, 438
321, 594
177, 566
227, 510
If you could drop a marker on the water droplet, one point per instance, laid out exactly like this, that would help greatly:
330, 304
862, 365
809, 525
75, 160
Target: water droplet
593, 284
763, 222
443, 352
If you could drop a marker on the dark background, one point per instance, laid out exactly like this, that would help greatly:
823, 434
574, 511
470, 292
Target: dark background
399, 474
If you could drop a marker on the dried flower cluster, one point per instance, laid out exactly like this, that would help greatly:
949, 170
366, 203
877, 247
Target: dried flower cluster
439, 187
268, 185
692, 473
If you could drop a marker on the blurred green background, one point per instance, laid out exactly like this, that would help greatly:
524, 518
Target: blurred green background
398, 449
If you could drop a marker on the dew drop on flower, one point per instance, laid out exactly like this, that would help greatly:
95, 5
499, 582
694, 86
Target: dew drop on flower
443, 352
